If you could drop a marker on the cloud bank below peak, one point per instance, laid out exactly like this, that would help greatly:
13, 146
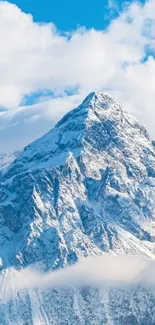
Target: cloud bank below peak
101, 272
36, 57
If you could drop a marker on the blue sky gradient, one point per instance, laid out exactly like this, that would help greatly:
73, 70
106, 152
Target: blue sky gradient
68, 15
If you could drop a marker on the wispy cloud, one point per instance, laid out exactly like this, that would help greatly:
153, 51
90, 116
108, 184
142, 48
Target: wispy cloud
99, 272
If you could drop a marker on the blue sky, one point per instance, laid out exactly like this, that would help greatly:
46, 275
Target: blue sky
69, 14
48, 69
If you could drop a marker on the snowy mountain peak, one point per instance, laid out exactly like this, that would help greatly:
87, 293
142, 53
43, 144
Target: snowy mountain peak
99, 98
97, 125
85, 188
93, 103
95, 100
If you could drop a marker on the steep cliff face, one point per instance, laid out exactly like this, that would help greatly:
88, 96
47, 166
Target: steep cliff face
84, 188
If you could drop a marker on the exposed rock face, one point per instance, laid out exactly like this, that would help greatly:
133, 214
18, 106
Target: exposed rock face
84, 188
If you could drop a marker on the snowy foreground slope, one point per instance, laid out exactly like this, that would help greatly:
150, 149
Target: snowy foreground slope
85, 188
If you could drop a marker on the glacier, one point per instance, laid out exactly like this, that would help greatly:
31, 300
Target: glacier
84, 189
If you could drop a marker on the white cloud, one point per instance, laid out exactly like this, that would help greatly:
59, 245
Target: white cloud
35, 56
20, 126
106, 270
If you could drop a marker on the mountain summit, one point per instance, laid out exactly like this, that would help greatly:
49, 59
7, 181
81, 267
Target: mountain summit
84, 188
97, 125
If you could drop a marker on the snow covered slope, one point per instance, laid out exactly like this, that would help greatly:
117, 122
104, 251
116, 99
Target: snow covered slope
7, 159
84, 188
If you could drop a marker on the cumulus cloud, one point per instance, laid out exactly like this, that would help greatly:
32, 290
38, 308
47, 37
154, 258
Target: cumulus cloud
107, 270
36, 57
